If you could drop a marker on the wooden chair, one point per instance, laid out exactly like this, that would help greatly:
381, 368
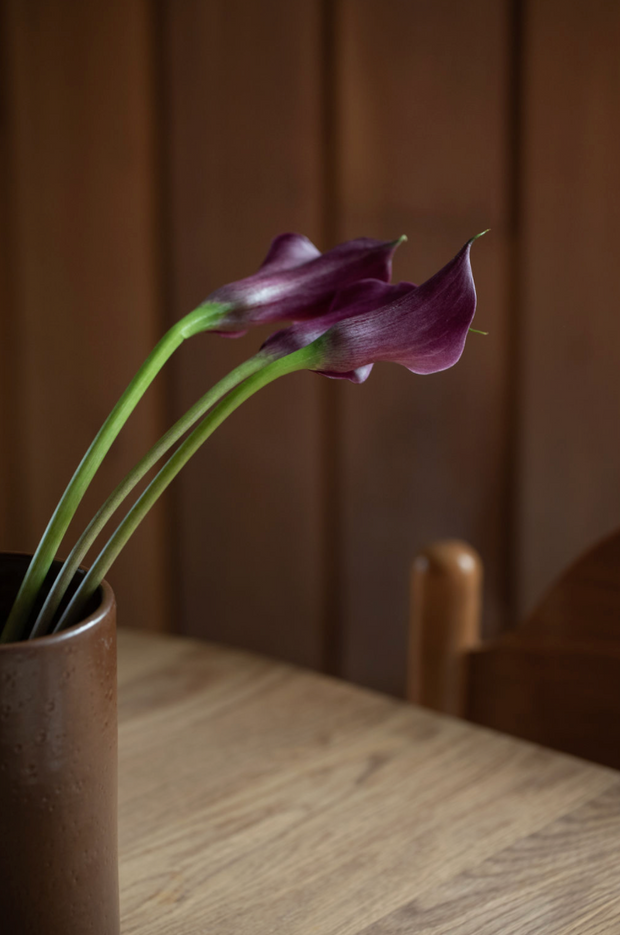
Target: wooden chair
555, 679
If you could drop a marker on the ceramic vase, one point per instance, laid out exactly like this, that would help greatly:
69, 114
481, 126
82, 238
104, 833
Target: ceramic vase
58, 773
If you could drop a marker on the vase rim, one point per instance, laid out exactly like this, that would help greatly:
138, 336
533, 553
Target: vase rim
104, 607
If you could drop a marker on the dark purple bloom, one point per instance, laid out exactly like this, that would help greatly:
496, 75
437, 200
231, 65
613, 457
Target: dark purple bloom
424, 329
360, 298
298, 282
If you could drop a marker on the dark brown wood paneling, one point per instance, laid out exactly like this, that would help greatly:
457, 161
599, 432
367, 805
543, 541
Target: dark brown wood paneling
84, 257
424, 123
335, 119
245, 164
7, 351
570, 392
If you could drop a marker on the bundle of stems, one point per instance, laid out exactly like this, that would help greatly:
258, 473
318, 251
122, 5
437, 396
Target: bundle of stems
345, 317
222, 400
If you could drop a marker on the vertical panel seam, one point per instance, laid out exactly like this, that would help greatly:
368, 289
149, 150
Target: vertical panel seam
163, 266
515, 336
13, 405
330, 397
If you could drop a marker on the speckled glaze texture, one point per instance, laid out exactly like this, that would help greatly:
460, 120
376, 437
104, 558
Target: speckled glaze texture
58, 775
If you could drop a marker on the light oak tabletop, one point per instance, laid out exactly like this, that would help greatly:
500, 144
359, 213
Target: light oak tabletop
257, 798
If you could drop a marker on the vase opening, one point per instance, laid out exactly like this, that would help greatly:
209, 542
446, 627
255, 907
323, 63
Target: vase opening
12, 570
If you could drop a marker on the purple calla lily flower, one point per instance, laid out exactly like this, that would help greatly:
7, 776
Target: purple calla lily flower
297, 282
424, 330
422, 327
362, 297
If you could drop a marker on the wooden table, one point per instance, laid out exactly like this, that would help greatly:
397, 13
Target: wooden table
256, 798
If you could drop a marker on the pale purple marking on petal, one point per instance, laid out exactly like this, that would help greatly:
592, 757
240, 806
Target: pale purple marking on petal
354, 376
229, 334
303, 291
357, 299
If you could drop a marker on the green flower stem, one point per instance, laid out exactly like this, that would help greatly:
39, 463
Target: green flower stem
201, 319
302, 359
101, 518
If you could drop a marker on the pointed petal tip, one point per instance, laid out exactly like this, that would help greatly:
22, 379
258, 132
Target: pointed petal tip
481, 234
288, 251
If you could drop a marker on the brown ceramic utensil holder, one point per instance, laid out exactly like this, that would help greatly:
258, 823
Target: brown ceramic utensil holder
58, 774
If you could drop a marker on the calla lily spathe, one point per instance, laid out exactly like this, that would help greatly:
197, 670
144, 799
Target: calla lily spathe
297, 282
425, 330
424, 327
362, 297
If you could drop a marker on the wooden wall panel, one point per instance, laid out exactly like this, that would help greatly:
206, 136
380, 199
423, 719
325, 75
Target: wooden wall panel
7, 441
85, 293
424, 133
150, 150
569, 468
244, 86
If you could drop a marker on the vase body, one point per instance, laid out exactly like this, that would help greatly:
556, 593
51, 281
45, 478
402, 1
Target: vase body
58, 774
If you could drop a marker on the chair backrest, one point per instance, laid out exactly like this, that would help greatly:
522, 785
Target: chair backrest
555, 679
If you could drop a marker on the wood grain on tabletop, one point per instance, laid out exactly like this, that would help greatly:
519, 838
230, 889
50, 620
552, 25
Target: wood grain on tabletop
79, 121
255, 797
424, 149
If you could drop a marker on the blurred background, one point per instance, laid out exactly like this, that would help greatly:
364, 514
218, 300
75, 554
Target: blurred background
149, 152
